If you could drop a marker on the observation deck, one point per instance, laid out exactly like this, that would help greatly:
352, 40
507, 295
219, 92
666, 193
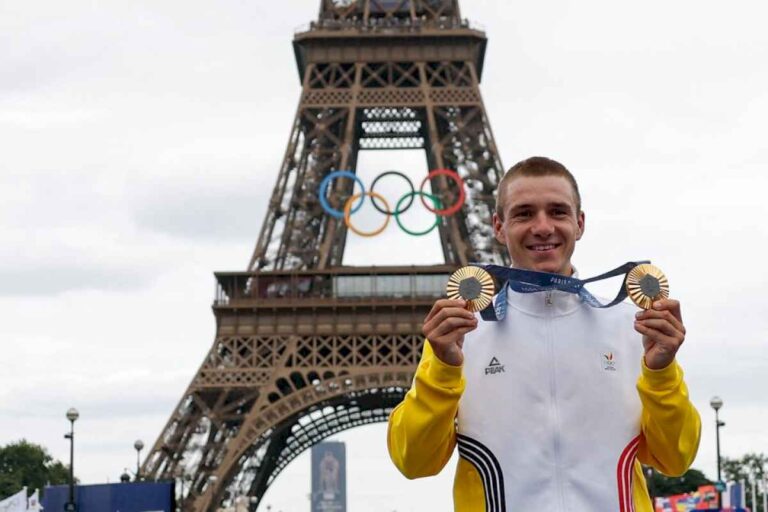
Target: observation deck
349, 300
389, 30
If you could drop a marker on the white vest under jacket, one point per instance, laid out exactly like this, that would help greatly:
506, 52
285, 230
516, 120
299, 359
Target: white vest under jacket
550, 416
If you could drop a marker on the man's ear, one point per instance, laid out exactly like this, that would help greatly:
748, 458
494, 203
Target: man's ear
580, 220
498, 231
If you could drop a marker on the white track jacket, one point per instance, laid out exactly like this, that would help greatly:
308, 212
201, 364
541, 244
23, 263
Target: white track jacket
552, 410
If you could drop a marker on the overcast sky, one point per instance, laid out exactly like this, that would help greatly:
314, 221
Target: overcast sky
140, 140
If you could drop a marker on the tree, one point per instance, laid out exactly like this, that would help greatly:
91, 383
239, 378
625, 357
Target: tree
743, 469
662, 485
28, 464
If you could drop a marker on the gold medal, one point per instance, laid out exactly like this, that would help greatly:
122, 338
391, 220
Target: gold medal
472, 284
646, 284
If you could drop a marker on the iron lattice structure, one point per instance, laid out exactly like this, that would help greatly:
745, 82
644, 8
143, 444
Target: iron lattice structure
306, 347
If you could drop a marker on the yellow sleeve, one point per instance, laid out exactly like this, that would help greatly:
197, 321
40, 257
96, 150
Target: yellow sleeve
421, 434
671, 425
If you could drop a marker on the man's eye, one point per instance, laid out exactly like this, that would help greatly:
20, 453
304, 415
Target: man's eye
522, 215
559, 213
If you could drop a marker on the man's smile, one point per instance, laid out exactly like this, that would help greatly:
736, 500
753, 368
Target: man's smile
542, 247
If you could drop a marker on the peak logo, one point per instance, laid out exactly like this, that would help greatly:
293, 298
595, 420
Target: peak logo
609, 363
494, 367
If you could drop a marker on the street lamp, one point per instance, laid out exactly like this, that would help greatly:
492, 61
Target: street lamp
138, 445
72, 416
716, 402
649, 481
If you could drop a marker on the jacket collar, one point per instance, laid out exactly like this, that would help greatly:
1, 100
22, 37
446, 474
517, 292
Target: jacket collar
549, 303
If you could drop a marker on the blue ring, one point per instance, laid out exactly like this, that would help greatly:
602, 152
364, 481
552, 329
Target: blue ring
324, 189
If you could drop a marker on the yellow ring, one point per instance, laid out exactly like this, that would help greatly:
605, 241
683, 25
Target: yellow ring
348, 209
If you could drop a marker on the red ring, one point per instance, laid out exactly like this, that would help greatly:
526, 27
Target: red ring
462, 195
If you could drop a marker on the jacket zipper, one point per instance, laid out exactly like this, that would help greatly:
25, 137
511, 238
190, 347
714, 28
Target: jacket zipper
554, 402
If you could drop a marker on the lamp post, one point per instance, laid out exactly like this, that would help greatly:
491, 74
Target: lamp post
649, 481
72, 416
716, 402
138, 445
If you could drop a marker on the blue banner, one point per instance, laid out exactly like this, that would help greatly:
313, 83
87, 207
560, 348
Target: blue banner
122, 497
329, 477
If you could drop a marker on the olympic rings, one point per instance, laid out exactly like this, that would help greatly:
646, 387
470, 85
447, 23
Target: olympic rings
397, 211
435, 200
462, 195
347, 213
350, 207
324, 190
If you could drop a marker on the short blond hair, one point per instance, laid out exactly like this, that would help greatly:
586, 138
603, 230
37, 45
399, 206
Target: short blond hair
536, 166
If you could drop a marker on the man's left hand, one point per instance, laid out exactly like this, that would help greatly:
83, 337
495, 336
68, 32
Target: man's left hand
663, 332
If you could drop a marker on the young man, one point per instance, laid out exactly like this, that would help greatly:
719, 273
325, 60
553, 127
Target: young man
555, 407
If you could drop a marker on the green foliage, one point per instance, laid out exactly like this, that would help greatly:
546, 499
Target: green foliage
743, 469
27, 464
661, 485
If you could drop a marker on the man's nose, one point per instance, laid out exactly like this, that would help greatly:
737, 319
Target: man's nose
542, 225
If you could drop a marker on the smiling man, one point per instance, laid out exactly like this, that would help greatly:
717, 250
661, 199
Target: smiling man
555, 407
539, 220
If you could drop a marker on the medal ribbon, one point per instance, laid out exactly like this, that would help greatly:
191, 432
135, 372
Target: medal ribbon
529, 281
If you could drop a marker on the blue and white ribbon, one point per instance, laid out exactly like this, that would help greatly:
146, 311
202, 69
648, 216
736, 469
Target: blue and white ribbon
529, 281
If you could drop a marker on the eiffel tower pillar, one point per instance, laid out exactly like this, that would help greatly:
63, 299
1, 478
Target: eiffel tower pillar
304, 346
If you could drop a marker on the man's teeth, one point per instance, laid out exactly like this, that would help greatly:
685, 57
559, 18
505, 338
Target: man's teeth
543, 247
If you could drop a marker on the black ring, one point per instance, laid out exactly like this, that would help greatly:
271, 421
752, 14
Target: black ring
410, 184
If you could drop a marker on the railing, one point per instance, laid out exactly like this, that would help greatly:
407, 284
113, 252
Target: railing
382, 24
336, 285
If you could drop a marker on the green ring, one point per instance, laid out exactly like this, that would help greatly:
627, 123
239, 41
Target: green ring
435, 201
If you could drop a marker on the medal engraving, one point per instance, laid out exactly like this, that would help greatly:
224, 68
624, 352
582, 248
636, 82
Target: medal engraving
646, 284
474, 285
650, 285
470, 288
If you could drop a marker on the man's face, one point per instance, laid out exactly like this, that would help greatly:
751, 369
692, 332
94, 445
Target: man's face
541, 223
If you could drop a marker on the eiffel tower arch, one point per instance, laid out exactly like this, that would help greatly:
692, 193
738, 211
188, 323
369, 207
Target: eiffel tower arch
306, 347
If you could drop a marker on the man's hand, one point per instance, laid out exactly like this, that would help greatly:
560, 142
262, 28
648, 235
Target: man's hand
663, 332
445, 327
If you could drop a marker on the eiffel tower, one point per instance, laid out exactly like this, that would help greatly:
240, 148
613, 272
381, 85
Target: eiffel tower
306, 347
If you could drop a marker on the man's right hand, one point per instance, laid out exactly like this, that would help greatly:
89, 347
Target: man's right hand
445, 327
